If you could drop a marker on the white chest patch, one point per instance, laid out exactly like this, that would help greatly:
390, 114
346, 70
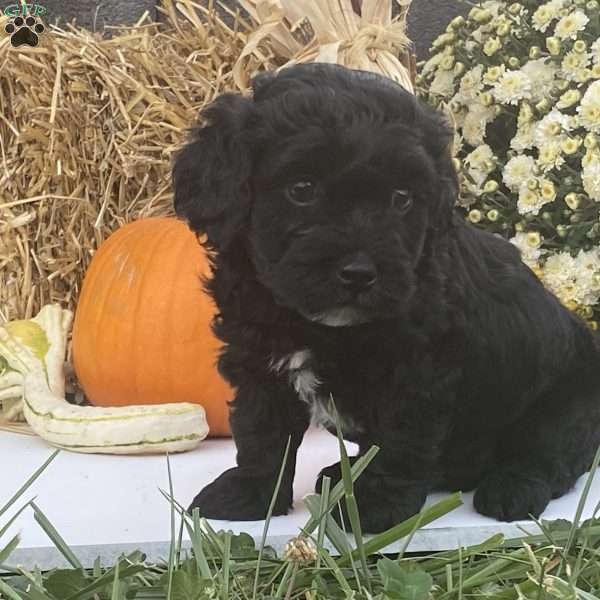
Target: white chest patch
306, 383
301, 376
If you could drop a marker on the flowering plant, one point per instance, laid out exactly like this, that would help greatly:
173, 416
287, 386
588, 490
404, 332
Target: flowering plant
521, 81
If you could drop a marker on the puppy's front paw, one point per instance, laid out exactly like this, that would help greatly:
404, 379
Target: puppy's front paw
510, 495
241, 495
383, 501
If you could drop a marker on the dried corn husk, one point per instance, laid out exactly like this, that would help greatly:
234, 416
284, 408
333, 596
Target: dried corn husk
328, 31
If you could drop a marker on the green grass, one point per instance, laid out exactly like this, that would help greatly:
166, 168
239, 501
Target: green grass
562, 561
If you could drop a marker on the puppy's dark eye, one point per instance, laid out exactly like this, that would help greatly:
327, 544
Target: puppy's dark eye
402, 201
302, 193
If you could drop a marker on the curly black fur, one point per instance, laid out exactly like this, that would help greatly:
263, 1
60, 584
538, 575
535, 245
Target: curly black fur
435, 341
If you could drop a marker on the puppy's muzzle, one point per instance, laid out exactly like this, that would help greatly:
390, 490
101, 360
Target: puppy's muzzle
357, 273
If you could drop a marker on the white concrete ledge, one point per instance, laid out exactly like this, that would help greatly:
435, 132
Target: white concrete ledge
108, 505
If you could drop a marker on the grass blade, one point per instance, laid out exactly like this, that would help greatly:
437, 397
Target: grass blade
283, 584
125, 570
8, 549
8, 592
26, 485
116, 588
325, 488
195, 534
581, 504
172, 545
13, 519
392, 535
350, 499
337, 573
56, 538
268, 518
337, 493
409, 537
328, 526
226, 565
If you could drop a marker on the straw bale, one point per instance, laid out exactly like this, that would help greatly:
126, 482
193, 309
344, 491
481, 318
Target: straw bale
87, 128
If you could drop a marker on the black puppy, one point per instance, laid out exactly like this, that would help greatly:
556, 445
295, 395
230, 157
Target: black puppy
340, 269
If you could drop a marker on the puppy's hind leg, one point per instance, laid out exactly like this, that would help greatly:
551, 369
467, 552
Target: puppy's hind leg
542, 455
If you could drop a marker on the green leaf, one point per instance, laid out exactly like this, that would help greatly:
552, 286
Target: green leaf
400, 583
127, 568
63, 583
188, 586
243, 546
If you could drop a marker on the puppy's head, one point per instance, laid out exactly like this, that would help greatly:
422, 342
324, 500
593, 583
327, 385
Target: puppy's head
336, 182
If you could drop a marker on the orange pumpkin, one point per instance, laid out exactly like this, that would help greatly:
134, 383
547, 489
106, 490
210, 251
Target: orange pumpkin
142, 327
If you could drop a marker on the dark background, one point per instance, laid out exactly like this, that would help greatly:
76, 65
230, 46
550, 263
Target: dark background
427, 18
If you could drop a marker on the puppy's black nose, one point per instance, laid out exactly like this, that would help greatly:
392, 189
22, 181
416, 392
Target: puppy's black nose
358, 273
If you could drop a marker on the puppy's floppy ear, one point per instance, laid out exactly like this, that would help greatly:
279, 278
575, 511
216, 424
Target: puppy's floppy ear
211, 172
438, 139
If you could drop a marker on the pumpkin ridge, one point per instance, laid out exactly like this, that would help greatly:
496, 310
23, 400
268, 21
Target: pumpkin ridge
100, 259
168, 229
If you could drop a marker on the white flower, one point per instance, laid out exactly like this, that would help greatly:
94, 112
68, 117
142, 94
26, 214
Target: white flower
512, 87
573, 63
596, 52
541, 74
433, 63
494, 73
558, 275
480, 156
545, 14
552, 128
478, 35
530, 201
547, 190
492, 46
479, 164
443, 83
529, 248
525, 115
550, 156
470, 85
523, 139
517, 171
569, 26
573, 279
591, 178
589, 109
458, 142
587, 265
475, 123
